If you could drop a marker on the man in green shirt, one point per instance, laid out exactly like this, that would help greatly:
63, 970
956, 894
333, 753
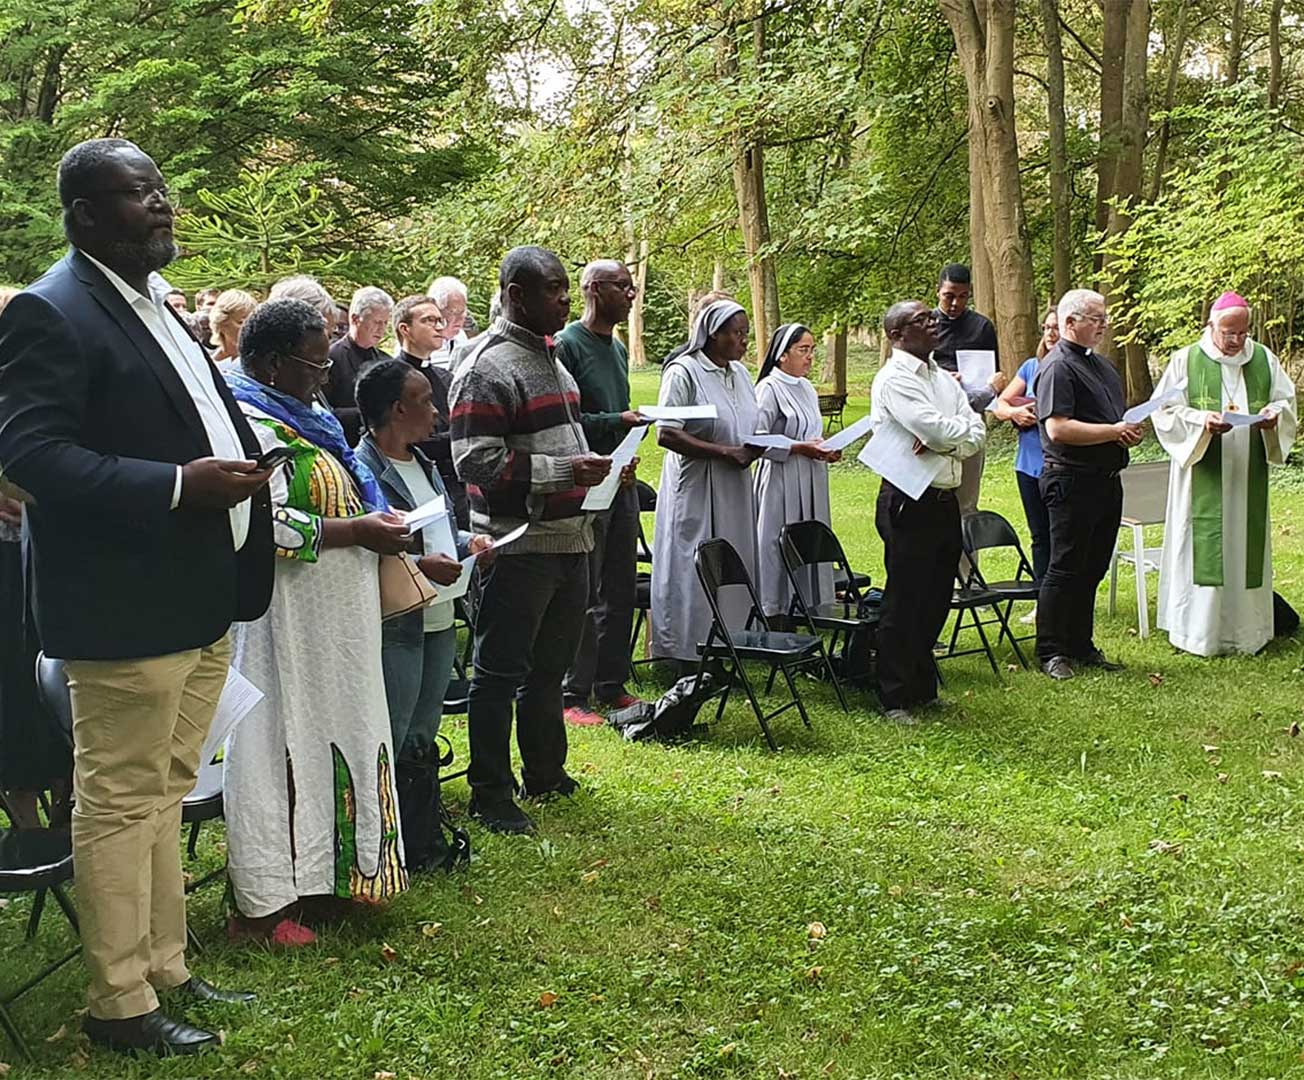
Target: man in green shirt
600, 366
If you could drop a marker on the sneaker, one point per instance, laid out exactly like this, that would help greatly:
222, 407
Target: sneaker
1096, 659
566, 786
501, 817
901, 717
624, 701
582, 716
1058, 667
1029, 619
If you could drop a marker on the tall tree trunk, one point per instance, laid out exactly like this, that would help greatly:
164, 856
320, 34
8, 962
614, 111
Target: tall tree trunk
1058, 148
1274, 54
637, 258
717, 275
1111, 107
1176, 49
833, 372
1127, 186
1236, 47
980, 265
749, 191
984, 39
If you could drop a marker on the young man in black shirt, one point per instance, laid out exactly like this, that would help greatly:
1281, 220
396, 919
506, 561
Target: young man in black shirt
1085, 443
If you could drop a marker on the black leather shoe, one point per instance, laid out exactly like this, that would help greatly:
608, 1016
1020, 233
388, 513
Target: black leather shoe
566, 786
155, 1032
1058, 667
195, 988
501, 817
1096, 659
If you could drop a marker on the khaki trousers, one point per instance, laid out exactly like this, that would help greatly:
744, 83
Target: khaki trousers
138, 728
971, 479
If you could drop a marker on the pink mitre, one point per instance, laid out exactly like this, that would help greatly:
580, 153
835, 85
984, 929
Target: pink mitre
1229, 300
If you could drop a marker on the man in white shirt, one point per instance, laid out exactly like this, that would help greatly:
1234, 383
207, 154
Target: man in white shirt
150, 534
921, 537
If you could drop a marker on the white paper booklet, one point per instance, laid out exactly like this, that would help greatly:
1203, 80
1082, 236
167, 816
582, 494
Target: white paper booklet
891, 454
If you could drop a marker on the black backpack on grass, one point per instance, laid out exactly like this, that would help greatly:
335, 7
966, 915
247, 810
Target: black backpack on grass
671, 717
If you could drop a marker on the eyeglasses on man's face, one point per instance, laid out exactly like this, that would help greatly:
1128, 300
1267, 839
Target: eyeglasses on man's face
1100, 320
924, 318
141, 193
627, 287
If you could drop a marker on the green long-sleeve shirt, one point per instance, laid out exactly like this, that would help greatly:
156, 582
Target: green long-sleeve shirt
600, 366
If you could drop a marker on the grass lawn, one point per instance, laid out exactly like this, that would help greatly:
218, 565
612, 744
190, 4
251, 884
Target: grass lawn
1095, 879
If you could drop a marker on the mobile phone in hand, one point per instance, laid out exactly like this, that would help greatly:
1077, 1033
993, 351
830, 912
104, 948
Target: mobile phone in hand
276, 456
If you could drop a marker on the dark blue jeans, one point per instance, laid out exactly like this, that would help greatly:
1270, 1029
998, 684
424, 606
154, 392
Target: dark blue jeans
1034, 509
418, 667
527, 628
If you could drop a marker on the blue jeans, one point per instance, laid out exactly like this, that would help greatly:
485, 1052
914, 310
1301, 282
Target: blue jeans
418, 667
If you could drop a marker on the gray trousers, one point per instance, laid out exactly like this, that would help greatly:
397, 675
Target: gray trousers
601, 663
971, 480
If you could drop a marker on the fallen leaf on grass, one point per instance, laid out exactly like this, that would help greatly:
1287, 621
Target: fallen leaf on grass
894, 890
432, 929
597, 864
556, 910
1271, 774
78, 1059
652, 903
816, 930
1223, 778
589, 877
387, 952
1181, 796
380, 1074
1164, 847
4, 1068
250, 1066
547, 999
1155, 679
1293, 730
1208, 748
63, 1030
813, 974
727, 1050
3, 904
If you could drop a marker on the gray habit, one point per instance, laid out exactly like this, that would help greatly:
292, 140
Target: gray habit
789, 488
700, 499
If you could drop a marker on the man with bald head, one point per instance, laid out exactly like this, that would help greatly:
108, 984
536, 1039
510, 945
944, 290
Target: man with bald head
150, 534
600, 367
921, 537
1215, 580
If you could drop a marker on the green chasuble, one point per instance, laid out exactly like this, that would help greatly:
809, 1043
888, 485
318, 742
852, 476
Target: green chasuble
1204, 391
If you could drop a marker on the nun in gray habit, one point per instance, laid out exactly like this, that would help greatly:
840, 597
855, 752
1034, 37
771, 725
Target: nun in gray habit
791, 484
706, 483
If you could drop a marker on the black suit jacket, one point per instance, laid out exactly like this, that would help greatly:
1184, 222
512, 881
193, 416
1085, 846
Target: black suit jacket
94, 420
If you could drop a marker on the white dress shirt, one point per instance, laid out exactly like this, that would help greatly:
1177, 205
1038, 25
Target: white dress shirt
930, 404
196, 373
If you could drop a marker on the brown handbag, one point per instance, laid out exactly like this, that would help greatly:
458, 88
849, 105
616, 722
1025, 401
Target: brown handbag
403, 587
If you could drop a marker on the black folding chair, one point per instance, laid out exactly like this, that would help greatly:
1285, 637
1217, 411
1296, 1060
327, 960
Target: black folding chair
811, 544
52, 688
718, 566
35, 861
647, 504
986, 530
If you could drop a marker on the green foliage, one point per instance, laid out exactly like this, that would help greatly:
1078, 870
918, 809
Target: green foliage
1230, 217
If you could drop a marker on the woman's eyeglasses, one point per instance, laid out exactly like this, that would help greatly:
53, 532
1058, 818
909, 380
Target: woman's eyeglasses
326, 366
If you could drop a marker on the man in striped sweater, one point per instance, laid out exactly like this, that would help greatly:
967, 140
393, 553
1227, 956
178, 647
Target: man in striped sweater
519, 446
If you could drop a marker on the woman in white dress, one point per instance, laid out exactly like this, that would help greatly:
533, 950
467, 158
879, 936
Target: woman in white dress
792, 484
311, 806
706, 484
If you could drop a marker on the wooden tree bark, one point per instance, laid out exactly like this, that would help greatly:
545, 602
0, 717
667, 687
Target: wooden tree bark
1274, 54
833, 372
637, 258
984, 40
1111, 107
1057, 149
1236, 46
1126, 186
1175, 51
749, 191
980, 266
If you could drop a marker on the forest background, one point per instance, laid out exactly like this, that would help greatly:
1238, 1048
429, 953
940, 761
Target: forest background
820, 158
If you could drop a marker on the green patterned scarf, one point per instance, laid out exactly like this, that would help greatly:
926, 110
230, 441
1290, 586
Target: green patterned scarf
1204, 390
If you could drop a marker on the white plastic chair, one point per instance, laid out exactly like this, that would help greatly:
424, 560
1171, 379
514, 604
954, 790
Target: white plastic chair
1145, 499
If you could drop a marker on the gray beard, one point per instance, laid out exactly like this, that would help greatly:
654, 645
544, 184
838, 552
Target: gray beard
143, 258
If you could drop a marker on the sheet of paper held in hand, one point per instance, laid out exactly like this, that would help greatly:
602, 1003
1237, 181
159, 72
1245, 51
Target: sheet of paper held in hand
1139, 413
678, 412
463, 582
1241, 419
976, 367
423, 515
891, 454
601, 495
769, 442
238, 697
848, 434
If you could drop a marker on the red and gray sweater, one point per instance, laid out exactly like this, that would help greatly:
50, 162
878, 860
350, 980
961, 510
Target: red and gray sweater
514, 415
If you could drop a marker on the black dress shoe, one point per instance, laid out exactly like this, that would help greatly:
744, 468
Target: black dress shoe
501, 817
195, 987
1096, 659
1058, 667
566, 786
155, 1032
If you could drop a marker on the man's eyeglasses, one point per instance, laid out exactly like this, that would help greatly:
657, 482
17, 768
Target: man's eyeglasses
924, 318
142, 193
1100, 320
626, 287
326, 366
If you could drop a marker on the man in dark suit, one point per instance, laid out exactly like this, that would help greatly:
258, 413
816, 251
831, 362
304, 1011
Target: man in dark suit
150, 533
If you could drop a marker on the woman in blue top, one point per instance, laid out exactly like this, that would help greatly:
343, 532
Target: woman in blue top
1016, 404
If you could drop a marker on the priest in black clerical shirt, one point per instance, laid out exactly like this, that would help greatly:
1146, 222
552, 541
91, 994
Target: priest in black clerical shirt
369, 312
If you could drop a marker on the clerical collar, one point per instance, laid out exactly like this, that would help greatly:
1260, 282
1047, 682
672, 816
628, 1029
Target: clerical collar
1074, 347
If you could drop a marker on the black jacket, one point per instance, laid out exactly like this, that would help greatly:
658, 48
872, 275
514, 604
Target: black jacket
94, 420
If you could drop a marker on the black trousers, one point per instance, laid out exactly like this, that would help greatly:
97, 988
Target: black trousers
1034, 510
921, 546
601, 664
1084, 510
526, 629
